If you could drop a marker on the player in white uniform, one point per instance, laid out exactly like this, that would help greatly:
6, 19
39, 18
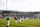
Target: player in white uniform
15, 19
8, 22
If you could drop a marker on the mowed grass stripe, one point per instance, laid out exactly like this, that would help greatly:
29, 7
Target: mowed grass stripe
24, 23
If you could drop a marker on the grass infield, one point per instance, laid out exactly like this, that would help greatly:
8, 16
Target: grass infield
24, 23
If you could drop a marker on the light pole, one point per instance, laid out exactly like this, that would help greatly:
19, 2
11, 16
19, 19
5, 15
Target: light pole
6, 5
14, 14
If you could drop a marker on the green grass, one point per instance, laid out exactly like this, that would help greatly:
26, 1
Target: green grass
25, 23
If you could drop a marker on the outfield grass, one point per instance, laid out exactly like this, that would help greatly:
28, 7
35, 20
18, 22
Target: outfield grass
25, 23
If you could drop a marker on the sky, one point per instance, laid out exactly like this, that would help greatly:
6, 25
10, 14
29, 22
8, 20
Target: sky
20, 5
2, 4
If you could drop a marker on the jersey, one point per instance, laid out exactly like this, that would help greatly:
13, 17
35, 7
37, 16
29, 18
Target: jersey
15, 18
19, 18
7, 18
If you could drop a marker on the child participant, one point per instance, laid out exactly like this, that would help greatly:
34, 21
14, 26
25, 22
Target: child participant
15, 19
19, 19
22, 18
7, 21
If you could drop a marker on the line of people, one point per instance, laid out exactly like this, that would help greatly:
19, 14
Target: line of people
8, 22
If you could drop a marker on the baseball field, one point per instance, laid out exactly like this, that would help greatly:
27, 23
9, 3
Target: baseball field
24, 23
